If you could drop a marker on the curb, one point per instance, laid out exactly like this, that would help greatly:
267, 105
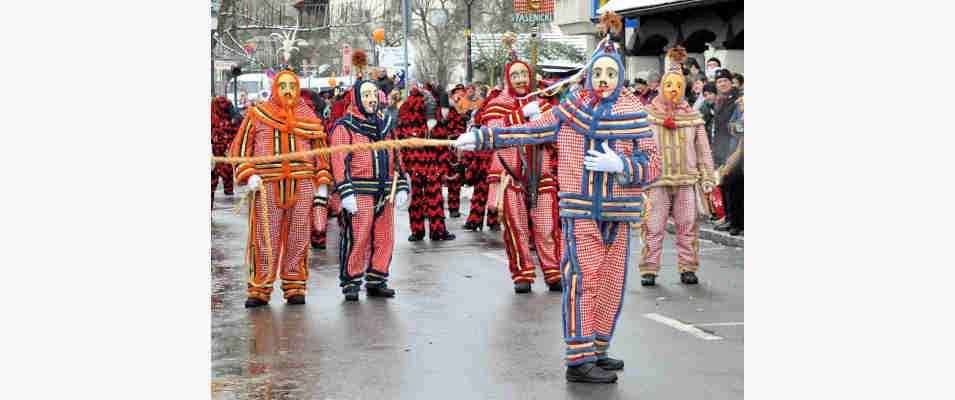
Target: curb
708, 233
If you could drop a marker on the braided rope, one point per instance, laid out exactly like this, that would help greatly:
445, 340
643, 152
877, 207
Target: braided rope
346, 148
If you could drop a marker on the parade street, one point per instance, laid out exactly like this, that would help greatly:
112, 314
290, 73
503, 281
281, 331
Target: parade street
456, 329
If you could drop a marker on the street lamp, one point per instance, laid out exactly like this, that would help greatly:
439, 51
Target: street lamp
468, 34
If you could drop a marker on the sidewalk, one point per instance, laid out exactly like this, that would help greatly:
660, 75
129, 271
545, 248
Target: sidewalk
706, 227
708, 233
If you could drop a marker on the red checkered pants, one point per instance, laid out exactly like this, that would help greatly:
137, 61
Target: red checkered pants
595, 275
366, 241
288, 230
678, 203
517, 233
427, 201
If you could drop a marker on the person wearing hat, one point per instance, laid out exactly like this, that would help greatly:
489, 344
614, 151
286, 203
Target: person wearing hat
723, 140
681, 139
607, 157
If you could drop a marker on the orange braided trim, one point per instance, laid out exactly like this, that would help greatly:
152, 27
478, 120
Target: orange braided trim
346, 148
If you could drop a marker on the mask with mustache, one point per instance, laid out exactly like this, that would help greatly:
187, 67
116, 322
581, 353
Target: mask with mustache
285, 89
605, 77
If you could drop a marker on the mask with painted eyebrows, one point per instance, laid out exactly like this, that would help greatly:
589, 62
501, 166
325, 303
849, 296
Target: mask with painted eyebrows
369, 97
287, 88
605, 76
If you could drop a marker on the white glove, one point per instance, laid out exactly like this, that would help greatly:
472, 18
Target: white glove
349, 203
467, 141
254, 183
323, 191
531, 111
432, 123
608, 161
707, 187
401, 198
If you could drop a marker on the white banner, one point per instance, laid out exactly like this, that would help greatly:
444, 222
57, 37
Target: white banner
393, 58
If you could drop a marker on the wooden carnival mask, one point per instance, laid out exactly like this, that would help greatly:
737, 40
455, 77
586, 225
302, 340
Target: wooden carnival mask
286, 88
369, 97
519, 77
673, 87
605, 76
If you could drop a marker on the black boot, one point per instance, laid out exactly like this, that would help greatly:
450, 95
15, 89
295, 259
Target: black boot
380, 290
648, 280
455, 214
689, 278
416, 237
522, 287
556, 286
297, 299
590, 373
351, 293
443, 236
734, 231
610, 364
494, 228
252, 302
471, 226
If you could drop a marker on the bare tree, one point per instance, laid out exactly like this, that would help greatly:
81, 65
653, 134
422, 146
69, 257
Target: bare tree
441, 46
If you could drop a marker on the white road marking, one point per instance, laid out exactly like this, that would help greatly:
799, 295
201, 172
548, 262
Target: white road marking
720, 324
495, 256
680, 326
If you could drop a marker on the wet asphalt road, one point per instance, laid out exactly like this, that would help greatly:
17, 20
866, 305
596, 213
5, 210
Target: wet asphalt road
456, 329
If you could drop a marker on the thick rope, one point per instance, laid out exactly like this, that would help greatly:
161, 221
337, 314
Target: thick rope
345, 148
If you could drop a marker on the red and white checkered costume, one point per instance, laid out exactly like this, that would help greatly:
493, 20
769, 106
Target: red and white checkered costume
596, 208
289, 188
368, 237
687, 161
505, 110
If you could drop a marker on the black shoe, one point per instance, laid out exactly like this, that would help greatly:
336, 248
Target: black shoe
351, 294
610, 364
443, 236
556, 286
736, 231
253, 302
722, 227
416, 237
590, 373
648, 280
689, 278
297, 299
471, 226
380, 291
455, 214
522, 287
494, 228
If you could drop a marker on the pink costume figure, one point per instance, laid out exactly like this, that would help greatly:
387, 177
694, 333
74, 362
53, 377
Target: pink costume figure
530, 195
606, 156
364, 180
687, 162
279, 224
